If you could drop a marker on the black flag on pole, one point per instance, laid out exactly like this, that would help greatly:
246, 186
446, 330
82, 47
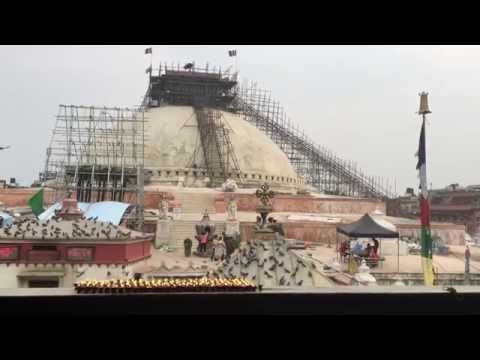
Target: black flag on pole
232, 53
148, 50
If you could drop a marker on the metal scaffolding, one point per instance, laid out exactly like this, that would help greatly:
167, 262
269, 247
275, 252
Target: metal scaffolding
97, 153
218, 152
210, 91
319, 166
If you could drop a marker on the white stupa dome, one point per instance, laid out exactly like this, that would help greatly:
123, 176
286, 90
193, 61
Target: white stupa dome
173, 150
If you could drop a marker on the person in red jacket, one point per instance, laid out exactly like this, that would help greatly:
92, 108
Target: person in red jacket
203, 241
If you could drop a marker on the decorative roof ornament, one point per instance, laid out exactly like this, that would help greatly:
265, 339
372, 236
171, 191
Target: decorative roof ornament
265, 194
424, 109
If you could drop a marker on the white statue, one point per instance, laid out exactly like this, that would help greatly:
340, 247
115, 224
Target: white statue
232, 210
163, 210
229, 186
181, 181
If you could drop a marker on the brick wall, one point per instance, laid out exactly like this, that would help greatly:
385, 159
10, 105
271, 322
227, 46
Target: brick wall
305, 204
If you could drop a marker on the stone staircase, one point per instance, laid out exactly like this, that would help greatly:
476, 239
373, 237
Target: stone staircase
182, 229
196, 202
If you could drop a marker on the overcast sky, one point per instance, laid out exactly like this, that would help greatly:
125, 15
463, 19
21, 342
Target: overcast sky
359, 101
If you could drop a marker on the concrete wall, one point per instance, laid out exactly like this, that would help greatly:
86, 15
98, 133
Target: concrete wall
9, 274
313, 232
326, 233
449, 233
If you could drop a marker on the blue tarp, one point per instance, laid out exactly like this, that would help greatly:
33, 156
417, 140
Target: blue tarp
107, 211
7, 219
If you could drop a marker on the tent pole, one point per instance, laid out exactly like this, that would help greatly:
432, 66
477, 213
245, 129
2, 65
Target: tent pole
338, 253
398, 255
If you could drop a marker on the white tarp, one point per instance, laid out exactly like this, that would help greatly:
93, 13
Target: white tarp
106, 211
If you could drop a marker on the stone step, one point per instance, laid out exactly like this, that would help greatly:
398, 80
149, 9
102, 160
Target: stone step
181, 230
196, 202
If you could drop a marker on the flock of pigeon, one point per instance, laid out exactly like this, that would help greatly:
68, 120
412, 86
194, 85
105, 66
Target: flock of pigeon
58, 229
268, 264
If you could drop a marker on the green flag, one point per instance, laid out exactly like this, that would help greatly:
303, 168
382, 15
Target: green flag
36, 202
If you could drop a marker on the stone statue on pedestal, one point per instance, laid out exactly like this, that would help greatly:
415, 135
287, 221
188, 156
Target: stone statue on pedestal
163, 225
232, 209
232, 225
163, 214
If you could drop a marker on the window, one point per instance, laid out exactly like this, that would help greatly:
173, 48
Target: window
53, 283
44, 248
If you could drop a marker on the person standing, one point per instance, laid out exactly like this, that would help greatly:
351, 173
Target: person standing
203, 241
375, 245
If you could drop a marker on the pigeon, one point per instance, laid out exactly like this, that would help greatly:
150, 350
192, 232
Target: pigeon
451, 290
267, 274
287, 271
310, 274
282, 281
271, 268
280, 264
313, 266
300, 283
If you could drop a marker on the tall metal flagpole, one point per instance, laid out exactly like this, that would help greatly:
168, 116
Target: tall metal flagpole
427, 256
151, 62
